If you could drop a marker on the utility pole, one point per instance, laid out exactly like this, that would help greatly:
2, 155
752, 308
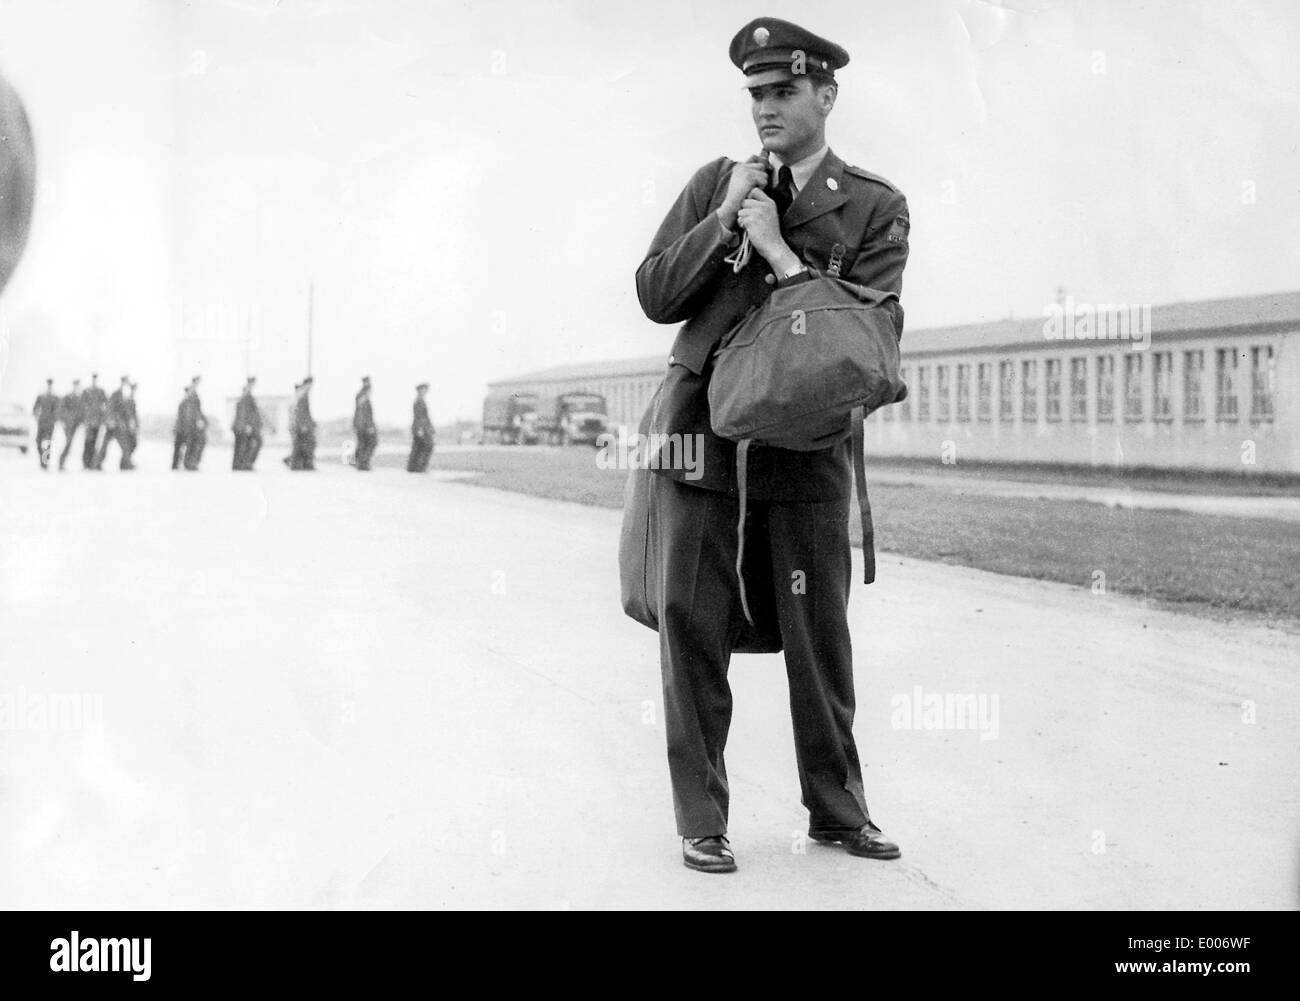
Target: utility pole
311, 303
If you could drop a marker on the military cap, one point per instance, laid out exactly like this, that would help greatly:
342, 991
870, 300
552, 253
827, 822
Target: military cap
251, 379
769, 50
308, 381
422, 385
365, 380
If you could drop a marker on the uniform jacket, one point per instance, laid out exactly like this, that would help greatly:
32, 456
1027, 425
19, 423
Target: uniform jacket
46, 409
131, 419
117, 413
247, 416
420, 422
94, 406
302, 420
685, 280
189, 415
363, 417
71, 409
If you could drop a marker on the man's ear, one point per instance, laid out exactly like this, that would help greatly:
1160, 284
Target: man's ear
828, 95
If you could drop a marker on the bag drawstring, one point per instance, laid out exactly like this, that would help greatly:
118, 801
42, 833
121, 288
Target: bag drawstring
858, 448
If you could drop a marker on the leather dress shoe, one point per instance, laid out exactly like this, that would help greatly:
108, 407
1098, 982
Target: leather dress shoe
710, 854
868, 841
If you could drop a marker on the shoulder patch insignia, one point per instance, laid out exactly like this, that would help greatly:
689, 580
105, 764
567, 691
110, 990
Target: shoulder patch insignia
898, 230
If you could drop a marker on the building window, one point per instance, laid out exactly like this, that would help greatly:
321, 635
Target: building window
1006, 390
1078, 389
942, 389
984, 397
963, 393
1132, 387
1053, 373
1162, 396
923, 393
1029, 390
1225, 391
905, 407
1261, 384
1106, 388
1193, 401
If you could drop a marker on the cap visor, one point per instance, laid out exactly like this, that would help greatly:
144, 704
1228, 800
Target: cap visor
762, 78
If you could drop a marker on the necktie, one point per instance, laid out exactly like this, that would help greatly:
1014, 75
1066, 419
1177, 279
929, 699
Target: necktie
783, 193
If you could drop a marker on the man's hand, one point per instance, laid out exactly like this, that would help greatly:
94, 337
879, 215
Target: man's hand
745, 177
758, 218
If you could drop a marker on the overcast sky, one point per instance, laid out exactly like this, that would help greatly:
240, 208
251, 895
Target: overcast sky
471, 186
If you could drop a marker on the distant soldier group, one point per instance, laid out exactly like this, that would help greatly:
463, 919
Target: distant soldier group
115, 416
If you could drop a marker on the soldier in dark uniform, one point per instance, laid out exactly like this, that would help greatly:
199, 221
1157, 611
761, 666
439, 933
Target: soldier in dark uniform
71, 412
94, 409
363, 425
303, 456
421, 433
799, 209
248, 429
190, 433
115, 426
130, 435
46, 412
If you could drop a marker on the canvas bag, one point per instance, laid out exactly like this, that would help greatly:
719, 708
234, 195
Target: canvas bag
638, 556
802, 371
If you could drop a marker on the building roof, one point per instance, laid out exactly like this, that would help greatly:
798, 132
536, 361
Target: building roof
1243, 314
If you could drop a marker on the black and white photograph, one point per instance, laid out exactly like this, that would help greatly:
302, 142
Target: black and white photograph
575, 456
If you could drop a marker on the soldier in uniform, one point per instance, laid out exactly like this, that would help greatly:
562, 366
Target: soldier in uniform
94, 408
46, 412
363, 425
115, 426
801, 207
248, 428
71, 412
421, 433
190, 433
303, 456
130, 427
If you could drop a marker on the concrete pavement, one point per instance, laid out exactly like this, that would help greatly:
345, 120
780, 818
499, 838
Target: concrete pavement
339, 690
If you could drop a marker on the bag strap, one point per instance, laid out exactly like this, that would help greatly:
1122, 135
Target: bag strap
742, 476
864, 504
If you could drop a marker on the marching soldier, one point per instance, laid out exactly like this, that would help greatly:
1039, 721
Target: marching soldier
71, 412
46, 412
248, 428
130, 428
363, 425
115, 426
190, 433
303, 456
801, 207
94, 408
421, 433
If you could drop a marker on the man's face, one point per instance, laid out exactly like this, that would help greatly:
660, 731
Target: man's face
790, 117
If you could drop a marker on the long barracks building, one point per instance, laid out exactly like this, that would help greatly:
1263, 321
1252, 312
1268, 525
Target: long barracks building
1198, 385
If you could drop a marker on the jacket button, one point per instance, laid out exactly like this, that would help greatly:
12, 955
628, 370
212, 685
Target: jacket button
770, 278
671, 359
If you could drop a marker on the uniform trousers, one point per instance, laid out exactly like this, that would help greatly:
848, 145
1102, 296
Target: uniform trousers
797, 569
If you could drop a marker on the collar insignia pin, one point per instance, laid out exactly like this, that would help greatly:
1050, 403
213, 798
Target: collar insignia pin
830, 183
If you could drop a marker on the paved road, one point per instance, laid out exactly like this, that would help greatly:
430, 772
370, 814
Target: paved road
339, 690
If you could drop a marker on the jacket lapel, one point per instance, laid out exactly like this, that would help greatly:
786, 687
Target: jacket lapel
818, 197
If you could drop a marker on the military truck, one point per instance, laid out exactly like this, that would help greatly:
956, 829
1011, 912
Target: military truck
510, 418
572, 418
